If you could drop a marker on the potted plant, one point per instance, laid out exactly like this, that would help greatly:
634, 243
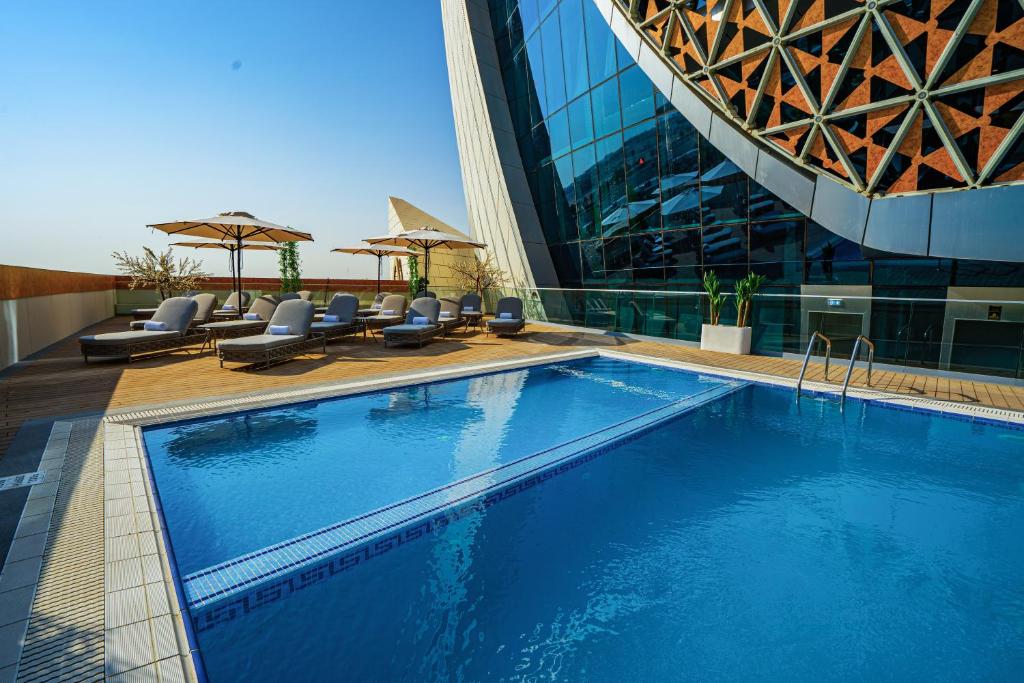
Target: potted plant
729, 339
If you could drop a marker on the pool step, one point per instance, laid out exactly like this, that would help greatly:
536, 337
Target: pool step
221, 592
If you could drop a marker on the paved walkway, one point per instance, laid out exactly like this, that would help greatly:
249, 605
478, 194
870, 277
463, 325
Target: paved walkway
58, 383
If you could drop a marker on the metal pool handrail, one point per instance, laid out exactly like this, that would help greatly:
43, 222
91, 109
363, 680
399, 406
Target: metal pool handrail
853, 361
807, 356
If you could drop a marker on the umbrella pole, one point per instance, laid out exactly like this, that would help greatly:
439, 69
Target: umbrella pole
380, 258
426, 270
238, 273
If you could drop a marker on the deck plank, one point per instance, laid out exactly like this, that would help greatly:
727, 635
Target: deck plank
58, 383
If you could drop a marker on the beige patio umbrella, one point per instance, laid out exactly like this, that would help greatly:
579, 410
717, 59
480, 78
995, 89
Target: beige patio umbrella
231, 248
379, 252
425, 239
234, 226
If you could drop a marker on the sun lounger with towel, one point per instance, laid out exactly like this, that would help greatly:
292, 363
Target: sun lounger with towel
174, 316
421, 324
286, 335
508, 317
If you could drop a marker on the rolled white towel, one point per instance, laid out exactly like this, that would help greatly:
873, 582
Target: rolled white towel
420, 320
446, 314
227, 307
154, 326
330, 318
468, 309
505, 316
278, 329
251, 316
387, 312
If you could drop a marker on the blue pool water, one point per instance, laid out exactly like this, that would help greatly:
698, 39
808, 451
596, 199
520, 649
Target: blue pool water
234, 485
752, 538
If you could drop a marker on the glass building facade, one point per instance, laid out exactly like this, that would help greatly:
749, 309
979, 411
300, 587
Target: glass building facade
631, 197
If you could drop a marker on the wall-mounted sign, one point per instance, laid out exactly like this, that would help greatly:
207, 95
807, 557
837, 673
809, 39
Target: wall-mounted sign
995, 312
835, 303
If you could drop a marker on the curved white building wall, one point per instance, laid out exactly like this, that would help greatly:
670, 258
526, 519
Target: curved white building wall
498, 200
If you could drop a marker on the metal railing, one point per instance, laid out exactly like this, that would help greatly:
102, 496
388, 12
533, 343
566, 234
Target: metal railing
807, 357
853, 362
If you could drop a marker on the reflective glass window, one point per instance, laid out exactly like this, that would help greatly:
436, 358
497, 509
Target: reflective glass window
723, 187
588, 207
607, 118
640, 152
542, 143
680, 187
637, 96
592, 254
581, 122
824, 245
574, 48
625, 59
536, 61
600, 44
614, 214
989, 274
616, 255
529, 15
545, 6
765, 206
647, 252
565, 202
909, 274
777, 241
682, 247
725, 245
554, 78
586, 185
566, 259
558, 133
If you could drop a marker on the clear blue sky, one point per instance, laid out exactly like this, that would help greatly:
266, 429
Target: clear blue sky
115, 115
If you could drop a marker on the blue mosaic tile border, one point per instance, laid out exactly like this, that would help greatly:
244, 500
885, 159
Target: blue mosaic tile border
224, 592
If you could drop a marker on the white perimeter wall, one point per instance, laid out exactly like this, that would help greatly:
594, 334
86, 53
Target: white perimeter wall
33, 323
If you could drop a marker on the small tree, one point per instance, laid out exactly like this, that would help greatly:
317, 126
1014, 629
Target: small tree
290, 265
745, 291
414, 275
476, 275
160, 272
715, 297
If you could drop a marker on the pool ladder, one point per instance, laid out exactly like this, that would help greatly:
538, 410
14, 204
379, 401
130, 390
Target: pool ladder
807, 357
828, 353
853, 361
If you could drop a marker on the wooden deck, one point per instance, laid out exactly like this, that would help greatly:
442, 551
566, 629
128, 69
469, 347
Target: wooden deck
58, 383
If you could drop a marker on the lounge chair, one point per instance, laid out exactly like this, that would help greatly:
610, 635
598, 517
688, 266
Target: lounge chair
305, 294
343, 306
233, 306
256, 318
174, 315
375, 306
286, 335
320, 310
391, 312
508, 317
289, 296
471, 308
451, 316
206, 302
421, 324
426, 294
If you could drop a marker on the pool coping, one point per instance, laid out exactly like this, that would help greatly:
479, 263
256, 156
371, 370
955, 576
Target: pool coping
146, 634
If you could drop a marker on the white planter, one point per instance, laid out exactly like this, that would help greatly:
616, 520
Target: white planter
725, 338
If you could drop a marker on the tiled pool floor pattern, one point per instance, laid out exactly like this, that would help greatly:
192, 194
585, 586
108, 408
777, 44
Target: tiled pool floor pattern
243, 573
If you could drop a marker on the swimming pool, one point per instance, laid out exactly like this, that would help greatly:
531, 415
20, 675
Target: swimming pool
742, 536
